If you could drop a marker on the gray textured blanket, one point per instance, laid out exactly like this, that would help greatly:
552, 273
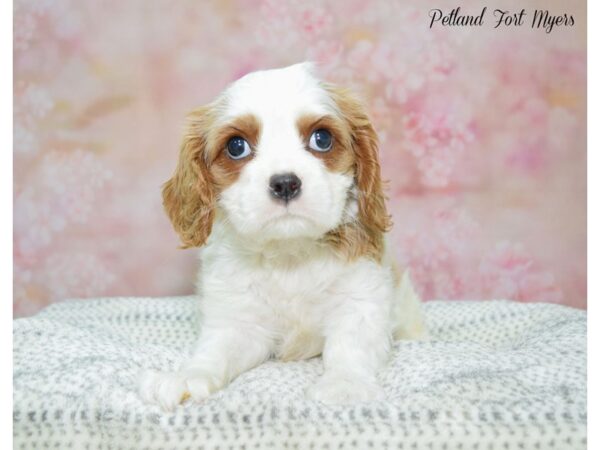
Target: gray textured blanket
496, 375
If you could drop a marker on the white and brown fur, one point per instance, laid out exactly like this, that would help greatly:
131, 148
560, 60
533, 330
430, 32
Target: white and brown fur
288, 280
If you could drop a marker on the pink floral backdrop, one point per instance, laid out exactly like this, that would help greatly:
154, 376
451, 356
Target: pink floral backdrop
483, 137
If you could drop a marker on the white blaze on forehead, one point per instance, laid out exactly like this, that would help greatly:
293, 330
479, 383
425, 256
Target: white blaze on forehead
278, 95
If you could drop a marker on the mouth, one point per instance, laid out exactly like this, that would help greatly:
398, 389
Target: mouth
287, 214
290, 219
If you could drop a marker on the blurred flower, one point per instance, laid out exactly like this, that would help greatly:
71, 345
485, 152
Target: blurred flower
508, 272
75, 275
438, 246
438, 138
65, 190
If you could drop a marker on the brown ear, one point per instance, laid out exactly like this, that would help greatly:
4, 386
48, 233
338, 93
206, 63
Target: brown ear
189, 197
372, 213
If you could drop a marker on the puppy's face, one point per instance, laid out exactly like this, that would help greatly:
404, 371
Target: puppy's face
280, 155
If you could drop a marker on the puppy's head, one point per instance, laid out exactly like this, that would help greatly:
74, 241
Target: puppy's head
281, 155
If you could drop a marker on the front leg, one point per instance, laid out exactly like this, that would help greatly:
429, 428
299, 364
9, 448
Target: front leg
357, 345
224, 350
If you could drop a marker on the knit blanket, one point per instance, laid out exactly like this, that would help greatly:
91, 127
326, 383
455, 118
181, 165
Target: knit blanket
495, 375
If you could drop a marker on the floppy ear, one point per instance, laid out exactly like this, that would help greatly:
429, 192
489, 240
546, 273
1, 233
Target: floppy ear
189, 197
372, 213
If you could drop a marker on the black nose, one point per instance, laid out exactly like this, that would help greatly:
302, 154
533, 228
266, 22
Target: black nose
285, 186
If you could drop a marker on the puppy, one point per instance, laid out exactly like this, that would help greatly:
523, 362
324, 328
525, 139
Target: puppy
278, 181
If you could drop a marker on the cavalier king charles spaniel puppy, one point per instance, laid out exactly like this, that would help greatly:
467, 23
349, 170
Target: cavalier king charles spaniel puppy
278, 181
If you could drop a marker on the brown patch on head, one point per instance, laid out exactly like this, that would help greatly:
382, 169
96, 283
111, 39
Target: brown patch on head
340, 158
203, 171
363, 237
226, 170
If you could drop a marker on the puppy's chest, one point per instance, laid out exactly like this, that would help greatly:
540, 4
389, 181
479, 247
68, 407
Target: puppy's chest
296, 289
297, 301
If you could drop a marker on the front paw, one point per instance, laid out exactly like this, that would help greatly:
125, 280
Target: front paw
169, 389
343, 390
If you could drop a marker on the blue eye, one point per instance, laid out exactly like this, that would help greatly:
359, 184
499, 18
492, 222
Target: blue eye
321, 141
237, 148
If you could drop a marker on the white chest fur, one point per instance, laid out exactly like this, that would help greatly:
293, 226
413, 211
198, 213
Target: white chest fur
294, 295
